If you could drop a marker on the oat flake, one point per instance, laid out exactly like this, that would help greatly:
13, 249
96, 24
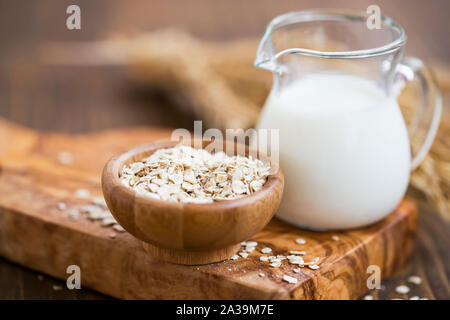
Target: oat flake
82, 193
297, 252
415, 279
243, 254
289, 279
266, 250
188, 175
275, 264
62, 206
65, 158
118, 228
402, 289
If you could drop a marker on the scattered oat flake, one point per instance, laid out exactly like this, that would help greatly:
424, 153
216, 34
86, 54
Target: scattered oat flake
65, 158
275, 264
82, 193
95, 212
234, 257
313, 266
73, 213
99, 201
297, 252
368, 297
296, 260
296, 270
415, 279
300, 241
251, 244
57, 287
402, 289
289, 279
62, 206
263, 258
243, 254
261, 275
266, 250
335, 238
109, 221
118, 228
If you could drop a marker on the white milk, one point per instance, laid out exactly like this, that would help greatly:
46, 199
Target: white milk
344, 151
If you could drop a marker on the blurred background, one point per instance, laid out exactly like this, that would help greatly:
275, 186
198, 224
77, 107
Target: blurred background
133, 63
92, 96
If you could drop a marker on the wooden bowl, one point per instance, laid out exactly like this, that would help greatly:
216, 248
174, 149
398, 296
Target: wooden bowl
188, 233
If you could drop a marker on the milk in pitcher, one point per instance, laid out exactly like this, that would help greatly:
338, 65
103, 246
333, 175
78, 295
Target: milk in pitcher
344, 150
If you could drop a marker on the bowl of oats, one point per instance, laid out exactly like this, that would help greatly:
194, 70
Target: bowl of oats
190, 205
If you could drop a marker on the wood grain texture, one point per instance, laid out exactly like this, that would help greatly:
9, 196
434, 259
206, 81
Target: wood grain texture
430, 261
34, 233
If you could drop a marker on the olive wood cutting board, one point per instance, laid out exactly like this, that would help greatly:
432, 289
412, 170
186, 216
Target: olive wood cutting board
35, 233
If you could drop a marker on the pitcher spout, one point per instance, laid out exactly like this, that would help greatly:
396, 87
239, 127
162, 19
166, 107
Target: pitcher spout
270, 52
265, 54
291, 34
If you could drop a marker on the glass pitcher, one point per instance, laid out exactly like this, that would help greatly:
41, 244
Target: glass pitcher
344, 146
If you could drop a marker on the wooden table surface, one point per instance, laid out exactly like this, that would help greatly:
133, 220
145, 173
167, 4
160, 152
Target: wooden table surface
86, 99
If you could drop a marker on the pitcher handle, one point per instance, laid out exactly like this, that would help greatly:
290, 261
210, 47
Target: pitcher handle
424, 126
